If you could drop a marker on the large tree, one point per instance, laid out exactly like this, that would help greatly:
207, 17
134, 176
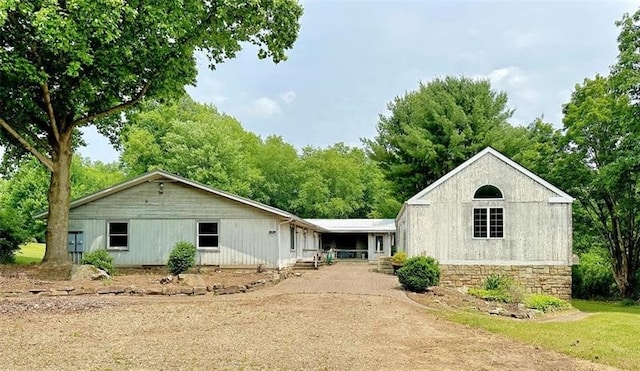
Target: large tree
68, 64
430, 131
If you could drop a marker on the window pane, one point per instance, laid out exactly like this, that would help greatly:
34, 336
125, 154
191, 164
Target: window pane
488, 191
207, 228
496, 223
118, 241
479, 222
208, 241
117, 228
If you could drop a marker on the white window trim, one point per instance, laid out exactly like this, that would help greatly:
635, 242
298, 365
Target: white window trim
488, 223
217, 221
108, 242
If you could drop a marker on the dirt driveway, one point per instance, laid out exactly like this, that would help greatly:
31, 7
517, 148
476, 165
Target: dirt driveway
341, 317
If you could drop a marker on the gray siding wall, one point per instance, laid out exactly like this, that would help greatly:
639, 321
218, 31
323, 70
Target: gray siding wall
535, 230
386, 240
157, 221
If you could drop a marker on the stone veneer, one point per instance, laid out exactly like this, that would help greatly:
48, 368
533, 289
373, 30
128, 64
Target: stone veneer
541, 279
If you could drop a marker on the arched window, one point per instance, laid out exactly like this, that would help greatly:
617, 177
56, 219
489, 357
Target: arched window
488, 221
487, 191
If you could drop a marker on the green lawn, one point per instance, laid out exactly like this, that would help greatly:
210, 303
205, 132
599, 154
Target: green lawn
611, 335
31, 253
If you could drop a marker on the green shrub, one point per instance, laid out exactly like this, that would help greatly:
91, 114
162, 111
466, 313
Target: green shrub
399, 258
493, 295
12, 236
100, 259
593, 277
545, 303
419, 273
497, 287
182, 257
497, 282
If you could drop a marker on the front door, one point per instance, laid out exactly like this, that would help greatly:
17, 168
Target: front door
75, 246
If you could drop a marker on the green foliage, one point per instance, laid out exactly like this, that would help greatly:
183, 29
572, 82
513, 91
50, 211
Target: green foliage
419, 273
434, 129
629, 302
196, 141
493, 294
497, 282
545, 303
497, 287
182, 257
593, 276
399, 258
11, 236
25, 190
601, 158
99, 258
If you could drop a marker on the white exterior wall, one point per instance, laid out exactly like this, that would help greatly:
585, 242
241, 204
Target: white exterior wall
536, 231
247, 236
386, 241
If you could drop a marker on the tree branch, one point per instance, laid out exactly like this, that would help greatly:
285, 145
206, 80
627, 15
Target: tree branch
114, 109
42, 158
52, 117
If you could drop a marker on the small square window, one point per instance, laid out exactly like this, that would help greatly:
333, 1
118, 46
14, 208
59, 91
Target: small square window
208, 237
118, 236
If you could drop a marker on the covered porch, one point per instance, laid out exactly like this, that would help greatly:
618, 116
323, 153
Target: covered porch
357, 239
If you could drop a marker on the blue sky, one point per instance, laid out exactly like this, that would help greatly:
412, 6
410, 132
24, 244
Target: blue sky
353, 57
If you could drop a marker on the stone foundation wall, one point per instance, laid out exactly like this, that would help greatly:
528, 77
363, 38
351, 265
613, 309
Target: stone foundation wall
540, 279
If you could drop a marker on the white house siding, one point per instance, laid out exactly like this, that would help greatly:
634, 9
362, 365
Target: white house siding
386, 242
535, 230
158, 220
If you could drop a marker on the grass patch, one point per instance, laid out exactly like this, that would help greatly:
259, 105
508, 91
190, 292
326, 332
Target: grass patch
610, 336
592, 306
31, 253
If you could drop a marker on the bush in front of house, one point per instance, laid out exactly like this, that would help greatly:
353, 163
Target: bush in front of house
100, 259
182, 257
399, 258
419, 273
497, 287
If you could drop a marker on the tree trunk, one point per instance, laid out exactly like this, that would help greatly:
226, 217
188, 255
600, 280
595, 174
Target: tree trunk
59, 200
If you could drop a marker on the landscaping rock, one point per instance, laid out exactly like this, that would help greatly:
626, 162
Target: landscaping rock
100, 275
234, 289
191, 280
170, 290
77, 292
166, 280
199, 290
37, 290
83, 272
187, 290
154, 291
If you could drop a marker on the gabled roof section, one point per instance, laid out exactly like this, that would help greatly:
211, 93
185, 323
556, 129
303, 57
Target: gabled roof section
161, 174
561, 197
355, 225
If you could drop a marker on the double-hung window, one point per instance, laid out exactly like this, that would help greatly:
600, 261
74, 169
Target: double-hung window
117, 235
208, 235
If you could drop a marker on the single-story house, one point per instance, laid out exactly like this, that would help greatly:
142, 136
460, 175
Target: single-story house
139, 222
491, 215
364, 239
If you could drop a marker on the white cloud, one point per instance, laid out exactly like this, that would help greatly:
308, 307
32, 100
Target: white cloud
288, 97
264, 107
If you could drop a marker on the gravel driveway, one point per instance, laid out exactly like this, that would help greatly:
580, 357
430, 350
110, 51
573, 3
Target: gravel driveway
340, 317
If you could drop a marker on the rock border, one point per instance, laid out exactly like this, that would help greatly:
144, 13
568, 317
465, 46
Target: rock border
132, 290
